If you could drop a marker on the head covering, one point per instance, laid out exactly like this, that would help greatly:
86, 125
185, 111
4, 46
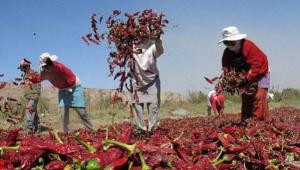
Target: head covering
43, 57
232, 33
24, 62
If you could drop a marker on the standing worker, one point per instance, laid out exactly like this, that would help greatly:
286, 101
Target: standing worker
241, 55
70, 93
146, 93
31, 97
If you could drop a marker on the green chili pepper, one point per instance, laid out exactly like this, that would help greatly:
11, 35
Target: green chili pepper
93, 164
78, 166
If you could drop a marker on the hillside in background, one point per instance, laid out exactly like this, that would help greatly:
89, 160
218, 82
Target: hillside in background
99, 105
96, 98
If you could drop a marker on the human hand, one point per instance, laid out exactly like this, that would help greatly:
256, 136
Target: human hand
243, 83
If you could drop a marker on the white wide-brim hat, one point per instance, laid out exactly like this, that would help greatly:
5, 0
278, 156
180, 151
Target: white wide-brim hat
46, 55
231, 33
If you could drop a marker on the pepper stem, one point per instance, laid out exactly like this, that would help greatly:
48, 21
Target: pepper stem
144, 165
57, 138
4, 148
89, 147
129, 148
216, 160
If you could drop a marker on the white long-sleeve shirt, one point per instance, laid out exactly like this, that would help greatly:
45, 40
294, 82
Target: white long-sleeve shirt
145, 57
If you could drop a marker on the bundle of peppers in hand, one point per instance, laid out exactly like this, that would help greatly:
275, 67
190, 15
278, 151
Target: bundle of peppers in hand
234, 82
122, 34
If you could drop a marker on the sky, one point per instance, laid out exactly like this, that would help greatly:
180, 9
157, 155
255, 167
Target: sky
190, 39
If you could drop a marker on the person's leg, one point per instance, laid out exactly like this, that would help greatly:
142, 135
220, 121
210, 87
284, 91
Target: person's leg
138, 116
219, 110
84, 117
208, 110
260, 109
247, 106
64, 113
153, 110
30, 115
36, 117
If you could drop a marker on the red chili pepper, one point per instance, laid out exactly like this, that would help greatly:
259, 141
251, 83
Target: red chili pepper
94, 41
222, 166
3, 164
97, 36
294, 149
18, 79
125, 135
108, 21
210, 146
120, 73
84, 39
148, 148
237, 148
117, 164
28, 159
233, 130
225, 142
213, 135
211, 80
181, 153
100, 19
55, 165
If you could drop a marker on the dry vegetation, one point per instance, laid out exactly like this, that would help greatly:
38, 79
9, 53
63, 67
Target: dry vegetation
100, 109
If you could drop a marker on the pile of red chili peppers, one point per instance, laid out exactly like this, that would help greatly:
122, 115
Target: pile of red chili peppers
190, 143
233, 82
122, 34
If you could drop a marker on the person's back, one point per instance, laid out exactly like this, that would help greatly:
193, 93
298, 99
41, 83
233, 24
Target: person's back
215, 101
59, 75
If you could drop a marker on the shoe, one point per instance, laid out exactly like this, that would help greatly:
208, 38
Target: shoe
138, 133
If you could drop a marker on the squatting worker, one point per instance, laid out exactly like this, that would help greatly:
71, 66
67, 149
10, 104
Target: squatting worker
242, 54
70, 94
146, 93
215, 101
31, 94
